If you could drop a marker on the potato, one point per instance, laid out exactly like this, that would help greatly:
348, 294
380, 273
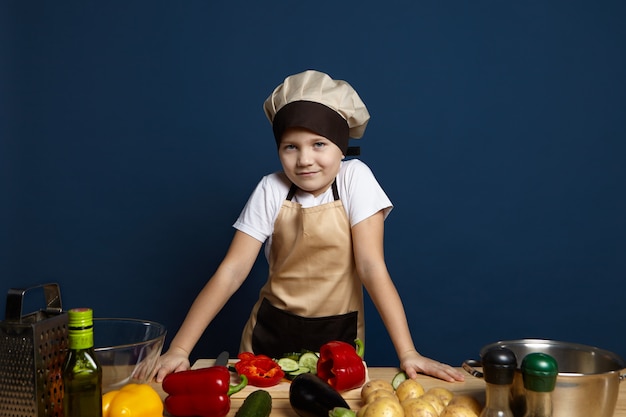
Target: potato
416, 407
361, 412
373, 385
409, 388
380, 393
434, 401
445, 395
384, 407
467, 401
456, 410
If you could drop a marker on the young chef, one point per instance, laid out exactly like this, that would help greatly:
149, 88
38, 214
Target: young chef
321, 220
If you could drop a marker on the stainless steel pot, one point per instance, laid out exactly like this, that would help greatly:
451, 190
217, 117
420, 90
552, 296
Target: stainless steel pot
587, 383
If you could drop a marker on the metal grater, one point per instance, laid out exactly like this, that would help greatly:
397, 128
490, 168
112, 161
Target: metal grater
32, 352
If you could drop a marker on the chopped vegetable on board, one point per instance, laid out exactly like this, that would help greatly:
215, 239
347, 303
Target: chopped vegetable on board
261, 370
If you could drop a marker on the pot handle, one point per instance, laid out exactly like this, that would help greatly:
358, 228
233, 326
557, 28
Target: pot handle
470, 364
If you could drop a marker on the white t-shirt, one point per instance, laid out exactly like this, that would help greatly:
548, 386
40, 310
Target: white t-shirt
359, 192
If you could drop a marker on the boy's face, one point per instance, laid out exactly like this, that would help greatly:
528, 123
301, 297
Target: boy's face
309, 160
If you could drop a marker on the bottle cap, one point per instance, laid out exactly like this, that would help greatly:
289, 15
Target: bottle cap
539, 371
80, 318
499, 366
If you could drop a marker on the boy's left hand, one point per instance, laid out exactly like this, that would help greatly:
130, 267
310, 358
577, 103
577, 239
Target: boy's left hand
413, 363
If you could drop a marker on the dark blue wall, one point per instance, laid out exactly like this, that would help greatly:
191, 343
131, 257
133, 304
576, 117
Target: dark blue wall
132, 133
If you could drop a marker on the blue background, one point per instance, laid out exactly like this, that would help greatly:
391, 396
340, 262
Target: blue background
132, 133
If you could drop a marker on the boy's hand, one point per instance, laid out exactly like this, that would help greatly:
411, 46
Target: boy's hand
413, 363
174, 360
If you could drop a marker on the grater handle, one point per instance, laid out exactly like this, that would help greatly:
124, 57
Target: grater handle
15, 298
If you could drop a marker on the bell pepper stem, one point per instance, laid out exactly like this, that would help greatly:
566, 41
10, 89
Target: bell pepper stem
360, 347
241, 385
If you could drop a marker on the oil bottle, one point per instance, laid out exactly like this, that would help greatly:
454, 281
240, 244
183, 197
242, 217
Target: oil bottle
82, 373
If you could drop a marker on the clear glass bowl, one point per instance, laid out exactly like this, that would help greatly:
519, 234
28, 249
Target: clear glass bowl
127, 349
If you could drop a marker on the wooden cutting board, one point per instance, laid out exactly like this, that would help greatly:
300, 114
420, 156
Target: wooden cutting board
279, 393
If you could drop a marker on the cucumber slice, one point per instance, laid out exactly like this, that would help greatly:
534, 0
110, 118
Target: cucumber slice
309, 360
398, 379
288, 365
302, 370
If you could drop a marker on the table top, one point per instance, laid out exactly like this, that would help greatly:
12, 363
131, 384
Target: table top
280, 400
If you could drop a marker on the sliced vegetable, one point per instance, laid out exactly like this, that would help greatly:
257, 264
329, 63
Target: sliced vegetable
256, 404
310, 396
308, 360
261, 371
398, 379
341, 365
288, 364
291, 375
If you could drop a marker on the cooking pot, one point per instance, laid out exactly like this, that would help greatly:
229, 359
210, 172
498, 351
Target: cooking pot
587, 383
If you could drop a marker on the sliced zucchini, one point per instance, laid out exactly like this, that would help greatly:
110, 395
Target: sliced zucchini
302, 370
288, 365
309, 360
398, 378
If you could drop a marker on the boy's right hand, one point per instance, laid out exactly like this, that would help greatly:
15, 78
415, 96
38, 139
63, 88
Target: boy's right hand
174, 360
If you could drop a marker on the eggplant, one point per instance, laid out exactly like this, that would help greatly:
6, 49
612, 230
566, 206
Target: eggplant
311, 396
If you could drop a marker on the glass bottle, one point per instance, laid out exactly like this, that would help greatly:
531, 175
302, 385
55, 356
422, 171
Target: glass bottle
499, 366
82, 374
539, 372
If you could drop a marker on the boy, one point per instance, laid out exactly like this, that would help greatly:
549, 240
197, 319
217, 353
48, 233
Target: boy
322, 222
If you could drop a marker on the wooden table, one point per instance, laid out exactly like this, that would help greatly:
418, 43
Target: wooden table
280, 393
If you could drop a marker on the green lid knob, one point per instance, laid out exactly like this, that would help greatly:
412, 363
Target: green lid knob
80, 318
539, 371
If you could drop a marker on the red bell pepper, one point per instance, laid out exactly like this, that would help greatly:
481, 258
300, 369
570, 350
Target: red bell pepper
200, 392
261, 371
341, 365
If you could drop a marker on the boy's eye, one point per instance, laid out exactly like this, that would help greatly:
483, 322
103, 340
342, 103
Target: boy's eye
289, 146
320, 144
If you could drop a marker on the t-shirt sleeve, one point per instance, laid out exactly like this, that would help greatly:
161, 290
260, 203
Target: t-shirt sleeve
365, 196
258, 215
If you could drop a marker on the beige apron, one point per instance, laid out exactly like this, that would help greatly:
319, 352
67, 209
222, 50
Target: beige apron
313, 294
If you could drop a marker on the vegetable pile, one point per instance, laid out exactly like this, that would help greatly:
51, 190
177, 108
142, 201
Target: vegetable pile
405, 397
294, 363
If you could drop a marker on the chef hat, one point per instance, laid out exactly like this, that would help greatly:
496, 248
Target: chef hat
313, 100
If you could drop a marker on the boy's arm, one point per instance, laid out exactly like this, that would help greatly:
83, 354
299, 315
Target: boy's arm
228, 277
367, 237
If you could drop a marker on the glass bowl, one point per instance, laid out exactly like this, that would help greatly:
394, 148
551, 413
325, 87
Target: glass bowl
127, 349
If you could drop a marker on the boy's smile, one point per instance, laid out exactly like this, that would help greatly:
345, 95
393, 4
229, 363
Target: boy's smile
309, 160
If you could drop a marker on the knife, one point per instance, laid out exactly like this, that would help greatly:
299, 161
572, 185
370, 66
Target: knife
222, 359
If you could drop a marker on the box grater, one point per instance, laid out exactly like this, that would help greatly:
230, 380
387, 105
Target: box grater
32, 352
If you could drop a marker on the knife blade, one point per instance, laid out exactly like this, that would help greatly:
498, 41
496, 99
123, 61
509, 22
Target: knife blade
222, 359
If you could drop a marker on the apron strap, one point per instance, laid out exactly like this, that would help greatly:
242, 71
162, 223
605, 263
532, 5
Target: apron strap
294, 188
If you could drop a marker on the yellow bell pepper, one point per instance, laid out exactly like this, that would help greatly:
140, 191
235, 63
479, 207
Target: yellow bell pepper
132, 400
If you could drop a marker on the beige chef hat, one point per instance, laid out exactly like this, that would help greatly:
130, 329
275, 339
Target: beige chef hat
313, 100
